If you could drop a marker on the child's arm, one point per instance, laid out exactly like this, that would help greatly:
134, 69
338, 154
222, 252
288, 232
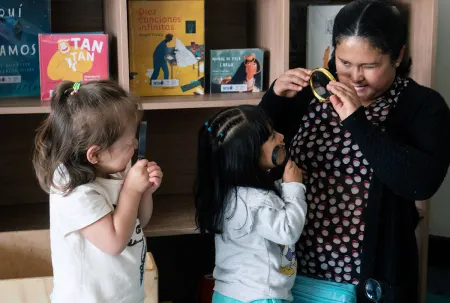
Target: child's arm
111, 233
146, 206
286, 225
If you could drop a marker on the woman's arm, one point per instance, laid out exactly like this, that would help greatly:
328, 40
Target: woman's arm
412, 172
287, 100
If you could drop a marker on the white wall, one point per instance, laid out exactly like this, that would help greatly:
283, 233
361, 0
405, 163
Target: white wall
440, 203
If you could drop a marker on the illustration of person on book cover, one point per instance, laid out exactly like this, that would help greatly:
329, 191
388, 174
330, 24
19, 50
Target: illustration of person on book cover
159, 58
74, 57
249, 72
64, 66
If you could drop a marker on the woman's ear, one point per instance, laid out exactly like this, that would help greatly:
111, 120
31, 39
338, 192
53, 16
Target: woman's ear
92, 154
400, 56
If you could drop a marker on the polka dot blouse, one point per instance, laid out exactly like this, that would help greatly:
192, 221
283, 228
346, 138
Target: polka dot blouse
338, 182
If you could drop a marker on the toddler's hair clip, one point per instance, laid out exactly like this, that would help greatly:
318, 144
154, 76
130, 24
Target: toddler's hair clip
76, 88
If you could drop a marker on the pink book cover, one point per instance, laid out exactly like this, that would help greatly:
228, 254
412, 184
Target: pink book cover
74, 57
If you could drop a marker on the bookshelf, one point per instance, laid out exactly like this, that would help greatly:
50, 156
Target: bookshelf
18, 106
173, 121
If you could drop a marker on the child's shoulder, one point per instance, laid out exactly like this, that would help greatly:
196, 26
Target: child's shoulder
61, 178
256, 197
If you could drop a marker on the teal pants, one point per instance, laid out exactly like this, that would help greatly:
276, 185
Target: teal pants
307, 290
219, 298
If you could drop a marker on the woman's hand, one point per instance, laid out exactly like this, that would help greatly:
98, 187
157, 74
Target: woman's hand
345, 100
291, 82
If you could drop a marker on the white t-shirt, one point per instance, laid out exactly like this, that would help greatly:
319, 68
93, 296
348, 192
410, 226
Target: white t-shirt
82, 272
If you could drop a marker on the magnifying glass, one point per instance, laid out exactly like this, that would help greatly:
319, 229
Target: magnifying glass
279, 155
318, 81
142, 140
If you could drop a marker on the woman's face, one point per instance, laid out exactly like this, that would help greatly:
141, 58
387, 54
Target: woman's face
365, 68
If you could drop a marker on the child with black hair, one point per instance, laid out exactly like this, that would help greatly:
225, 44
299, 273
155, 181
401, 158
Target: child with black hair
256, 221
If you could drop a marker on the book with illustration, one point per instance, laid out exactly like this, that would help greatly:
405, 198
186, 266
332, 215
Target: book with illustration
237, 70
167, 47
20, 24
319, 34
74, 57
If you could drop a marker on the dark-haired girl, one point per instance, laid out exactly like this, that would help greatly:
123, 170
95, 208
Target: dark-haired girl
256, 221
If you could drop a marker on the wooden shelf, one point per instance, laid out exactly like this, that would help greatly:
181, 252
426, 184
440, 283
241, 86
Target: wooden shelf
15, 106
172, 215
201, 101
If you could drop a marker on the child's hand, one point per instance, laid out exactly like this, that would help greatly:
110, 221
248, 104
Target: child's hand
137, 178
154, 176
292, 173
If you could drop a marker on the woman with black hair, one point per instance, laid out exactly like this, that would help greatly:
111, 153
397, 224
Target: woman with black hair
381, 144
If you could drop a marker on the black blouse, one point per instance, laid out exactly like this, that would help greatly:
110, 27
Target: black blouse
409, 157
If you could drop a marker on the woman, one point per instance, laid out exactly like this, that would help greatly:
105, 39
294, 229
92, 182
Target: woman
381, 144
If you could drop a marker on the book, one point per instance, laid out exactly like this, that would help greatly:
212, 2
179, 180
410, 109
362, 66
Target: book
319, 34
75, 57
167, 47
237, 70
20, 24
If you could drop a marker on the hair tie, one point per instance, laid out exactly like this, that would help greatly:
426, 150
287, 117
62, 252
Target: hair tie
76, 88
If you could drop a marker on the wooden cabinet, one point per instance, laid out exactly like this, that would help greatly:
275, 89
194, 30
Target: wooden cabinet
173, 121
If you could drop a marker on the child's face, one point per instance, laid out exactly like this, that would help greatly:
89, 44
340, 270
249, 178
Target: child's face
265, 160
116, 158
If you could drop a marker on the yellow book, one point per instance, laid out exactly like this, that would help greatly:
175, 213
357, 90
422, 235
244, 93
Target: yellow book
167, 47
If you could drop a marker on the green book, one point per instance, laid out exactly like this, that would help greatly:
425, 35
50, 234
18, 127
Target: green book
236, 70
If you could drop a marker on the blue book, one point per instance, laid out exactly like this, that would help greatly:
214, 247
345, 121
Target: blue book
20, 24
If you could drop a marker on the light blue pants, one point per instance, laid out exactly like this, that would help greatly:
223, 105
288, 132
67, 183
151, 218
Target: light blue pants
309, 290
219, 298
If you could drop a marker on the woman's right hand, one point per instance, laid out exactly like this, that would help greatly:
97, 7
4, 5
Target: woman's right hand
137, 177
292, 173
291, 82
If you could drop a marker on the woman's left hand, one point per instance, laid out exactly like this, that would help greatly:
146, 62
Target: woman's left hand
345, 100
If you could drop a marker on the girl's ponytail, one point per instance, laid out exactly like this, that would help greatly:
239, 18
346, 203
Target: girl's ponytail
44, 155
208, 196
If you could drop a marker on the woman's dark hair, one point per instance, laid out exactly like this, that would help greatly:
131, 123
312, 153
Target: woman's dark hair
98, 114
228, 156
384, 25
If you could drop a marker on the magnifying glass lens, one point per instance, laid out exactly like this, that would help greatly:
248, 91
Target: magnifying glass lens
319, 82
279, 155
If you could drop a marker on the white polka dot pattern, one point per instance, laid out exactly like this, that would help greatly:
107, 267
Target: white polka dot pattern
338, 180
